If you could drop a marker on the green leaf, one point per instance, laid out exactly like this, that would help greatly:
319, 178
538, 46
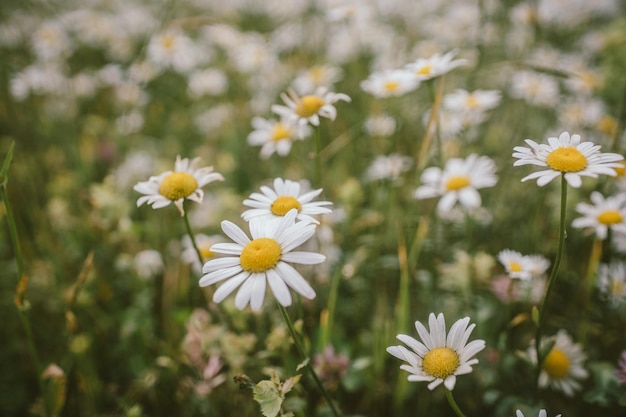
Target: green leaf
535, 315
267, 395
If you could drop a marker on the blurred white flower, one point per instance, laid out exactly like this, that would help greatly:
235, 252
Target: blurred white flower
310, 107
389, 167
390, 83
612, 282
212, 82
604, 214
148, 263
276, 136
436, 65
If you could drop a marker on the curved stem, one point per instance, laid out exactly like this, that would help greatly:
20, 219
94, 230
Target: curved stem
193, 239
453, 403
298, 342
552, 278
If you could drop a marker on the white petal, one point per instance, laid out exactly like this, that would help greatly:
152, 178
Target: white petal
229, 286
235, 233
279, 288
305, 258
295, 280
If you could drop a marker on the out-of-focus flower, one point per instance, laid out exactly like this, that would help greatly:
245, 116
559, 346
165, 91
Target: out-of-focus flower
390, 83
276, 203
331, 367
211, 377
311, 106
508, 290
535, 88
604, 214
316, 77
263, 260
566, 155
436, 65
148, 263
185, 182
381, 125
389, 167
211, 82
173, 49
612, 282
204, 243
472, 101
458, 181
521, 266
439, 358
50, 41
562, 368
276, 136
620, 372
542, 413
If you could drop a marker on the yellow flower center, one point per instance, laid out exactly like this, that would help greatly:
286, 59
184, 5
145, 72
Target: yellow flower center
260, 255
440, 362
607, 125
617, 287
515, 267
566, 159
556, 364
317, 74
178, 185
621, 170
425, 70
456, 183
283, 204
471, 102
307, 106
391, 86
206, 253
167, 42
280, 132
609, 217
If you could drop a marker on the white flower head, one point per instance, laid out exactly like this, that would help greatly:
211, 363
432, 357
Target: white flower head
604, 214
315, 77
521, 266
203, 243
542, 413
390, 83
471, 101
251, 264
566, 155
436, 65
276, 136
439, 358
389, 167
286, 195
458, 181
184, 183
612, 282
309, 107
563, 367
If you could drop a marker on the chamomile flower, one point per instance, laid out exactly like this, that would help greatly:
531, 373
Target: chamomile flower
568, 156
184, 183
542, 413
439, 358
604, 214
390, 83
315, 77
562, 369
285, 196
389, 167
204, 243
251, 264
276, 136
523, 266
471, 101
612, 282
458, 181
309, 107
436, 65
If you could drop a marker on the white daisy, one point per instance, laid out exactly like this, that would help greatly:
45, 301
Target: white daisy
472, 101
389, 167
251, 264
562, 368
459, 180
286, 195
438, 358
309, 107
436, 65
612, 282
568, 156
204, 243
390, 83
276, 136
521, 266
542, 413
185, 182
603, 214
315, 77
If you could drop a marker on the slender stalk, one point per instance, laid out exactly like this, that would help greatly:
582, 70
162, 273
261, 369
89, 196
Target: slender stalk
430, 125
317, 175
453, 403
552, 278
298, 342
192, 237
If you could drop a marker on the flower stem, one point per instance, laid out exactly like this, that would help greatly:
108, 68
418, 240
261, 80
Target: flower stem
552, 278
298, 342
193, 239
453, 403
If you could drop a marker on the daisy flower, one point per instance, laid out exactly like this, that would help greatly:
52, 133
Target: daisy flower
286, 195
309, 107
391, 83
542, 413
438, 358
185, 182
568, 156
389, 167
603, 214
562, 368
474, 101
436, 65
253, 263
521, 266
276, 136
204, 243
459, 180
612, 282
315, 77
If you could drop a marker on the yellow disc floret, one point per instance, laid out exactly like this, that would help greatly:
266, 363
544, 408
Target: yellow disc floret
178, 185
440, 362
280, 132
392, 86
307, 106
283, 204
609, 217
566, 159
425, 70
457, 182
556, 364
206, 253
515, 267
260, 255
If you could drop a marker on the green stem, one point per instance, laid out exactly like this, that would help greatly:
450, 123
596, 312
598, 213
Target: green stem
193, 239
453, 403
318, 162
332, 304
552, 278
298, 342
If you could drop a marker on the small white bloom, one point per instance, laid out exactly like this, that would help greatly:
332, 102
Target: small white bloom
612, 282
276, 136
521, 266
603, 214
389, 167
436, 65
309, 107
148, 263
390, 83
